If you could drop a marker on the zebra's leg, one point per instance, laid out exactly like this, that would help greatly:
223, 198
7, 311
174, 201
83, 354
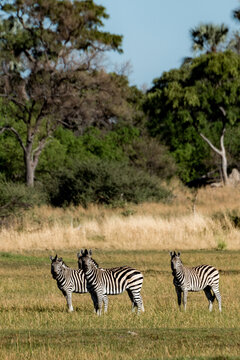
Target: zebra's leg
218, 296
140, 304
179, 297
209, 296
185, 293
94, 299
137, 300
132, 299
99, 297
68, 297
105, 301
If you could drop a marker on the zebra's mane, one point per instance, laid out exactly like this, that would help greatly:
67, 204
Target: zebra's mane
95, 263
65, 268
65, 265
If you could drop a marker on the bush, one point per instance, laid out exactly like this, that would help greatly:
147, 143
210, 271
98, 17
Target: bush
227, 219
149, 155
15, 198
108, 183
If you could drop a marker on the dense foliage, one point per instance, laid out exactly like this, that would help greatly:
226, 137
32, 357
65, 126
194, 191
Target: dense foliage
50, 75
192, 108
82, 134
104, 182
15, 198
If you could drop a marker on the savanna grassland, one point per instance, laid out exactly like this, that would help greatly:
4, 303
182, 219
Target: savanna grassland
34, 323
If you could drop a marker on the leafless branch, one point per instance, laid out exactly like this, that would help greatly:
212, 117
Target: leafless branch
222, 110
14, 100
36, 152
14, 131
222, 140
211, 144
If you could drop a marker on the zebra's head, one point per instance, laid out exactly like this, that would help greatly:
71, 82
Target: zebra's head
85, 259
80, 256
56, 265
175, 260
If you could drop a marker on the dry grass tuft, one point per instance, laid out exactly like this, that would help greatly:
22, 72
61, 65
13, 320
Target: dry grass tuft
146, 226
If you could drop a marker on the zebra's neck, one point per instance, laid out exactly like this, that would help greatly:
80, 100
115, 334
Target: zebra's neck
61, 273
178, 272
90, 269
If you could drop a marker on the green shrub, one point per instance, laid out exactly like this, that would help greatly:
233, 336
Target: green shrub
221, 244
235, 218
226, 218
108, 183
128, 212
15, 198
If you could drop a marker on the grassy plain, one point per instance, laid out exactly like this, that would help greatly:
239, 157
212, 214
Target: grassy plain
34, 323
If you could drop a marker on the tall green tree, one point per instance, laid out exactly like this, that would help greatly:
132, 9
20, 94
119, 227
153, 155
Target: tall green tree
208, 38
202, 98
234, 43
50, 74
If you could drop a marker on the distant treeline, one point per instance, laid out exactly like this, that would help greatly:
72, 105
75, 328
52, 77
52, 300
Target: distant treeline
75, 133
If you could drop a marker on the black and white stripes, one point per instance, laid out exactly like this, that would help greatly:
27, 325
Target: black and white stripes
112, 281
100, 282
70, 281
202, 277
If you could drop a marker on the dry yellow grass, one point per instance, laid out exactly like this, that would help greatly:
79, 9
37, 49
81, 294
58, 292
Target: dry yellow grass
35, 325
147, 226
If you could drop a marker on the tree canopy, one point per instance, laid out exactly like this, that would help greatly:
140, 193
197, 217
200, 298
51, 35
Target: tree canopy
83, 132
208, 38
194, 102
49, 71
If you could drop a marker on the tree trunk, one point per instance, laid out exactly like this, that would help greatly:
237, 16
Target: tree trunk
29, 170
221, 153
224, 168
224, 159
31, 156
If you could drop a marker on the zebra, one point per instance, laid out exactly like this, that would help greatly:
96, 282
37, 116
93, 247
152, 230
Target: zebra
112, 281
202, 277
70, 281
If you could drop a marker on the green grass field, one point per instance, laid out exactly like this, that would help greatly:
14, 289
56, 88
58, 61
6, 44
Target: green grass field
35, 324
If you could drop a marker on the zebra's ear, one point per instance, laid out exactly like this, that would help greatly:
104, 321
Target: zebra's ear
82, 252
51, 258
86, 252
78, 255
171, 253
179, 253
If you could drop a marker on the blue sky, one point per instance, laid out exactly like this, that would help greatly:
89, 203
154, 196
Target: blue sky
156, 32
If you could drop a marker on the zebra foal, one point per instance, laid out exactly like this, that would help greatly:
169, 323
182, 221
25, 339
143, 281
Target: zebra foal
70, 281
102, 282
202, 277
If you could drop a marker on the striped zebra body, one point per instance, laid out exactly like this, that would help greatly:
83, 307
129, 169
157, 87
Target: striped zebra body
112, 281
69, 280
202, 277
